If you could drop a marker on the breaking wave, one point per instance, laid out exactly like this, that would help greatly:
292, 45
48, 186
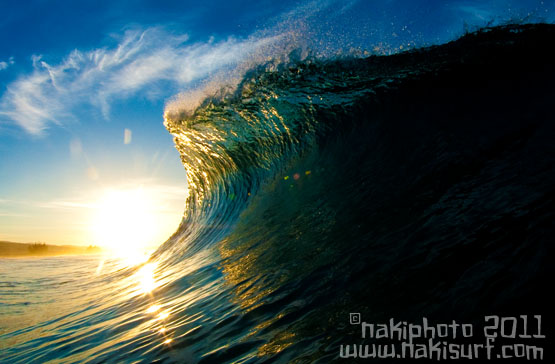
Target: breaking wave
410, 185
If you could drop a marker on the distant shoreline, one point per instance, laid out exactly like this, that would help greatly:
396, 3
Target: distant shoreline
18, 250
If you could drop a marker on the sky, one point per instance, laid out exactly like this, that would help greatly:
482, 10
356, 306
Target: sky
84, 86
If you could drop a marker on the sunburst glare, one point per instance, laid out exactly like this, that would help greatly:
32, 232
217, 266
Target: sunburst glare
126, 224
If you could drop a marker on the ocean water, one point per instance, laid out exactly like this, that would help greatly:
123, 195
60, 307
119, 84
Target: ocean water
414, 185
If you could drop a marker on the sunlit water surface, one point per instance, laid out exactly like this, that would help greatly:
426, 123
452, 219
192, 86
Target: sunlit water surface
74, 308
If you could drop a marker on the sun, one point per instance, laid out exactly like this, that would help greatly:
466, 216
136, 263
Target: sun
126, 223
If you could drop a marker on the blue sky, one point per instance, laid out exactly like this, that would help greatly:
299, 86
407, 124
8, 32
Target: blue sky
84, 85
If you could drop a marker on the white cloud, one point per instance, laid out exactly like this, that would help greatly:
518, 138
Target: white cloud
152, 63
144, 61
4, 65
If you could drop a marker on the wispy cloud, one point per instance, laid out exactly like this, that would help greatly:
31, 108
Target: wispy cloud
152, 63
162, 194
4, 65
61, 205
146, 61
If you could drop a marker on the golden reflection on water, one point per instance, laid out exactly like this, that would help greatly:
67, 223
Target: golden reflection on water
153, 308
145, 278
278, 343
162, 316
253, 297
144, 282
256, 260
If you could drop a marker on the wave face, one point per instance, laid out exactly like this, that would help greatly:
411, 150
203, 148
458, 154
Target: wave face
414, 185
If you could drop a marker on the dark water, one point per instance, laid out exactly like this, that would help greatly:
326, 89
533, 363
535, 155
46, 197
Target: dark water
408, 186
